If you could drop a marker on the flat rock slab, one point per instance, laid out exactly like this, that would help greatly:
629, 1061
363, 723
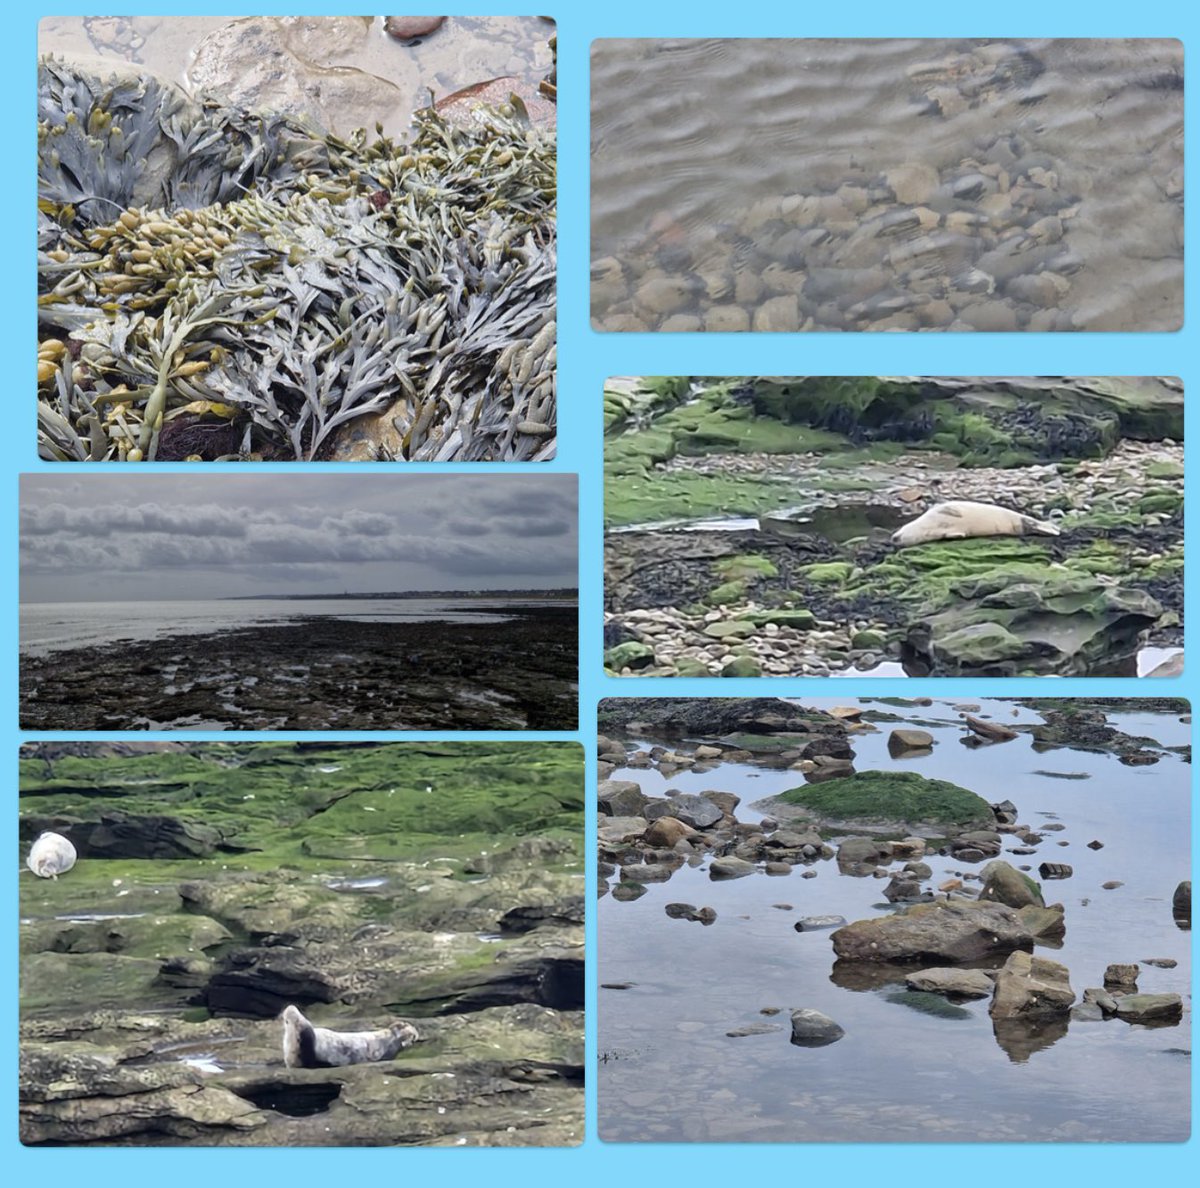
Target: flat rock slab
941, 931
1150, 1008
962, 983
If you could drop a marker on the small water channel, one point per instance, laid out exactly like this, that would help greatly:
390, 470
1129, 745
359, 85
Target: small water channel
670, 1072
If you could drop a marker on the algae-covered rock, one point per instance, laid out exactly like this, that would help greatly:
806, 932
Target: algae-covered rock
934, 932
901, 798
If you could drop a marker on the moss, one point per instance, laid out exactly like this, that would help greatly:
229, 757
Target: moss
742, 666
798, 619
648, 496
828, 572
746, 566
1160, 501
726, 594
893, 796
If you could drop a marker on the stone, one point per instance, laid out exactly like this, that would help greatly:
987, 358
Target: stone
615, 830
686, 911
665, 294
1121, 975
1150, 1008
863, 849
992, 731
753, 1029
954, 930
727, 802
631, 654
667, 832
902, 741
405, 28
741, 666
1029, 986
621, 798
903, 887
730, 867
812, 1029
694, 811
960, 983
818, 923
1181, 904
1044, 923
1055, 870
778, 314
1004, 884
648, 872
919, 870
706, 752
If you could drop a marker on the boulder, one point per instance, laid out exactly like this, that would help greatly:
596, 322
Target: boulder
621, 798
730, 868
902, 742
1047, 924
954, 930
614, 830
1031, 986
1181, 904
1150, 1008
667, 832
992, 731
903, 887
1121, 975
863, 849
695, 811
812, 1029
1004, 884
960, 983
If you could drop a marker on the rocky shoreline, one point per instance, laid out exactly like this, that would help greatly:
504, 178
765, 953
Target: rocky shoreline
746, 537
964, 918
217, 883
318, 674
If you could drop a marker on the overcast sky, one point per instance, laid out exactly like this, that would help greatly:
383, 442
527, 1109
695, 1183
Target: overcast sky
212, 535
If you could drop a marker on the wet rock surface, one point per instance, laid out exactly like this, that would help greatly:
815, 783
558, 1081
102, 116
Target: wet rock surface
317, 675
151, 985
749, 523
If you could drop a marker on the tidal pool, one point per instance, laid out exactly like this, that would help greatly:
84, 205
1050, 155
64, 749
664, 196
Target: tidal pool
669, 1071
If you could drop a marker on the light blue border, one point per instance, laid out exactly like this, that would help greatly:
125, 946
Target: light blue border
586, 358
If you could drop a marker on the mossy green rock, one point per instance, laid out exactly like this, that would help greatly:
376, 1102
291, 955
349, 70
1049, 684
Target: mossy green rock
902, 798
630, 654
742, 666
868, 641
798, 620
730, 629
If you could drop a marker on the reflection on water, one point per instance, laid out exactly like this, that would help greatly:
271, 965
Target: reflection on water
887, 185
907, 1069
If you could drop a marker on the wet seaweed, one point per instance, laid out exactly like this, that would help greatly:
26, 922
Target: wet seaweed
261, 282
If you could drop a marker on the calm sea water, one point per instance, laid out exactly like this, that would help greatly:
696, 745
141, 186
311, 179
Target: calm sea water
669, 1072
53, 626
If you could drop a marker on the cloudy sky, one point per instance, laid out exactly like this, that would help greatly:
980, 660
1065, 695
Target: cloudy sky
212, 535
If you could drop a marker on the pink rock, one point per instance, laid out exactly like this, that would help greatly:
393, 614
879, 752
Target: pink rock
405, 28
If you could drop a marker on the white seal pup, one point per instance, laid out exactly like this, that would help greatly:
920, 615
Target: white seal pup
306, 1046
959, 519
50, 856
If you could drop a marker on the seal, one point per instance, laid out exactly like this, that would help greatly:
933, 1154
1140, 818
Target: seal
306, 1046
960, 519
50, 856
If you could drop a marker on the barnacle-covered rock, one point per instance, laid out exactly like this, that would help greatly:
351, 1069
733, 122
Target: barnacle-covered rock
346, 298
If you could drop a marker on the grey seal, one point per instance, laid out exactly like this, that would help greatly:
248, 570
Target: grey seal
50, 856
306, 1046
960, 518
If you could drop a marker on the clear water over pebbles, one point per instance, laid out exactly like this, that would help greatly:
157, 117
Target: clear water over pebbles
887, 185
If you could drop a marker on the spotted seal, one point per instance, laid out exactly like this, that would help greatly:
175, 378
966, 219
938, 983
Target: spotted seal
306, 1046
50, 856
959, 519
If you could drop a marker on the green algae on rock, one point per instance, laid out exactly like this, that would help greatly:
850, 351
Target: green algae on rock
361, 882
222, 284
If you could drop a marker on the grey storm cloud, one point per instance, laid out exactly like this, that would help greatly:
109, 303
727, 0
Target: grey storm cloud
208, 534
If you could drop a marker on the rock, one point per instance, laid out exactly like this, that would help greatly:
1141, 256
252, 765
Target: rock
1044, 923
903, 741
1121, 975
1105, 1001
727, 802
405, 28
1160, 962
935, 932
1055, 870
909, 847
777, 314
1181, 904
1150, 1008
631, 654
694, 811
648, 872
903, 887
961, 983
819, 923
621, 798
1003, 884
1093, 845
753, 1029
666, 832
615, 830
1030, 986
812, 1029
730, 868
741, 666
982, 842
863, 849
1112, 885
706, 752
919, 870
627, 892
992, 731
665, 294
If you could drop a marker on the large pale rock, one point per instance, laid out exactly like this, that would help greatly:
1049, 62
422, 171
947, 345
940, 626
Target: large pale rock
812, 1029
1028, 986
1150, 1008
935, 932
621, 798
902, 742
695, 811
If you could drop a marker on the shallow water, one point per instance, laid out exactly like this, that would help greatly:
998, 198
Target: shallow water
669, 1072
887, 184
53, 626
